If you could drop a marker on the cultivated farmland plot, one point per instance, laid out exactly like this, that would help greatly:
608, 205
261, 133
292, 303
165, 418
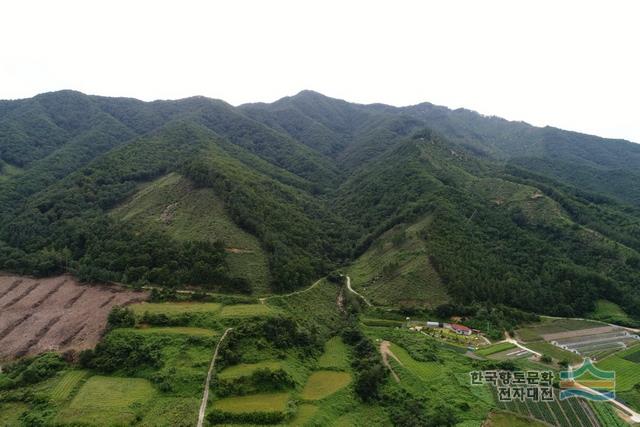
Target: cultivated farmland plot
54, 313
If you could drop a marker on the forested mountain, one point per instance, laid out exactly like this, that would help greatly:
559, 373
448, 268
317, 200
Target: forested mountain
541, 219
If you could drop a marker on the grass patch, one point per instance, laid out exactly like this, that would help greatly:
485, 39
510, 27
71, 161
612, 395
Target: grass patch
180, 330
324, 383
264, 402
381, 322
495, 348
101, 398
10, 413
610, 312
247, 310
172, 412
336, 355
244, 369
66, 385
305, 412
504, 419
170, 308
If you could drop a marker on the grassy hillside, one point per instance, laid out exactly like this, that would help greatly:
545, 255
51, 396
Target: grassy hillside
172, 203
396, 271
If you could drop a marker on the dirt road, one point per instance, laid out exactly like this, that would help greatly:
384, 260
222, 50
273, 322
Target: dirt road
386, 352
356, 293
205, 394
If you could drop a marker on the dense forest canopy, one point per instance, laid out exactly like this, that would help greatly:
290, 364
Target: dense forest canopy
541, 219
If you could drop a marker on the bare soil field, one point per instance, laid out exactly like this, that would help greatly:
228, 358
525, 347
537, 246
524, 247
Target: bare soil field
55, 313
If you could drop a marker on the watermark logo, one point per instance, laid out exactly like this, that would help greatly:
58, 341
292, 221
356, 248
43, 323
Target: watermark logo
588, 382
509, 386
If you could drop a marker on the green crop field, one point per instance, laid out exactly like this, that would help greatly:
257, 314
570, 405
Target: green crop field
108, 398
66, 385
173, 204
243, 369
180, 330
305, 412
627, 372
632, 355
425, 371
336, 355
170, 308
396, 270
263, 402
247, 310
172, 412
324, 383
495, 348
555, 352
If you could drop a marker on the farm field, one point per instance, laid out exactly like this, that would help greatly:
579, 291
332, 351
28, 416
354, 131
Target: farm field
536, 331
244, 369
10, 413
324, 383
263, 402
495, 348
555, 352
67, 384
181, 330
336, 355
247, 310
627, 372
305, 412
171, 412
424, 370
170, 308
111, 398
54, 313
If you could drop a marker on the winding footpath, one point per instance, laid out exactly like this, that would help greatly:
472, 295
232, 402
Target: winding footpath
264, 299
205, 395
356, 293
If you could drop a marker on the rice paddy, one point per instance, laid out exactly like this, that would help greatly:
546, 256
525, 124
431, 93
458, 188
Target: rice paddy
170, 308
336, 355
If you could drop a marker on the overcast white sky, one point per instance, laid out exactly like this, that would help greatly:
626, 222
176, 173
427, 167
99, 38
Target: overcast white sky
571, 64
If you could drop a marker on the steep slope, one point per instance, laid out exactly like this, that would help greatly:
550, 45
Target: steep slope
490, 210
173, 204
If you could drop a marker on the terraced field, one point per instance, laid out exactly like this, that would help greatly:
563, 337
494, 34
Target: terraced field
495, 348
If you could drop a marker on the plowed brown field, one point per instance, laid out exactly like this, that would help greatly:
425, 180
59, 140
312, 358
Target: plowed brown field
55, 313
